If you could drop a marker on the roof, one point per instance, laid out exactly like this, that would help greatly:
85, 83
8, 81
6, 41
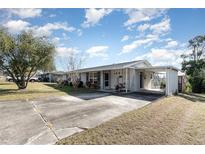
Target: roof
161, 68
115, 66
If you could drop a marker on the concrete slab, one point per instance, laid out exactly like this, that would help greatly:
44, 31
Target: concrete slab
20, 124
60, 117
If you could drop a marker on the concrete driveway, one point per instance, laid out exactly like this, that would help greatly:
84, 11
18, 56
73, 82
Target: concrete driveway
48, 120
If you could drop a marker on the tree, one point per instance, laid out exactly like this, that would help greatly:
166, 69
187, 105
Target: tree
194, 63
23, 54
72, 63
197, 45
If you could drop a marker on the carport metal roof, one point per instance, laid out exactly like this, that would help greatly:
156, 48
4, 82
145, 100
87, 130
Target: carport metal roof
159, 68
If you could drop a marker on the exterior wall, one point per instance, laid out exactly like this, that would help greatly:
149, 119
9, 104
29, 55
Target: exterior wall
147, 80
137, 80
83, 78
171, 82
133, 80
115, 77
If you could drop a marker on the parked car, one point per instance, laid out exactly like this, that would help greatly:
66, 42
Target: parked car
8, 78
32, 79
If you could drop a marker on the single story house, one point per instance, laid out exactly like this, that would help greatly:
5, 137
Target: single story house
131, 77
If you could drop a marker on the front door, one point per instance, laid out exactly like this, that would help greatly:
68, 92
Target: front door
106, 80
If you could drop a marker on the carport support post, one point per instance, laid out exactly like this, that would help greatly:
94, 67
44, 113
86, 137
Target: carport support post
101, 80
167, 82
126, 80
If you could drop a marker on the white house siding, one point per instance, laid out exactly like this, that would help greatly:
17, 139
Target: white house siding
115, 77
132, 79
171, 82
137, 75
83, 77
147, 79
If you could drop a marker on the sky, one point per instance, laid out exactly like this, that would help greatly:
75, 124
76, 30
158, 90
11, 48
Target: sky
107, 36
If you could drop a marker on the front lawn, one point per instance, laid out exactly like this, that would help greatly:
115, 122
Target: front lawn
9, 91
171, 120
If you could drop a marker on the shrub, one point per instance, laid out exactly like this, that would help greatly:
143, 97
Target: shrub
88, 84
162, 85
188, 87
197, 84
80, 84
203, 86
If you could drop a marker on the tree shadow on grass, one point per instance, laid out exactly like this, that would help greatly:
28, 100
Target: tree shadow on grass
16, 92
82, 93
70, 90
193, 97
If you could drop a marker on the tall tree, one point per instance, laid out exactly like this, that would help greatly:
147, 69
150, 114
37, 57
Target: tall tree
23, 54
196, 59
197, 44
194, 63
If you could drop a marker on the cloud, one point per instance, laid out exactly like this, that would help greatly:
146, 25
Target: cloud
15, 26
143, 27
93, 16
47, 29
137, 43
25, 13
161, 56
66, 52
162, 27
97, 51
159, 28
171, 44
79, 32
56, 40
139, 15
125, 38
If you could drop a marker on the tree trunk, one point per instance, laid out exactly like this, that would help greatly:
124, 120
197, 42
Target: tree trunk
21, 84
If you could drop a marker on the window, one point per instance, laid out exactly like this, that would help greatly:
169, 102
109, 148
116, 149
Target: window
93, 76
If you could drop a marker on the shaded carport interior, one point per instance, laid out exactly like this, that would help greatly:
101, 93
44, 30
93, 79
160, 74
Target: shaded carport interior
171, 79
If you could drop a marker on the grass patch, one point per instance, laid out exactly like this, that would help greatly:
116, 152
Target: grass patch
194, 96
9, 91
171, 120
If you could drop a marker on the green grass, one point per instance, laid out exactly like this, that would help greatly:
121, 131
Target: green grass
172, 120
9, 91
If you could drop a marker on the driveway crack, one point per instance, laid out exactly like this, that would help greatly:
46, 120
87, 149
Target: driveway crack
47, 123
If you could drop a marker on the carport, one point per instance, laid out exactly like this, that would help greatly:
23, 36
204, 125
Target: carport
167, 73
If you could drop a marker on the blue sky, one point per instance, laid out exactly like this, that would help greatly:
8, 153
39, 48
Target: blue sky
106, 36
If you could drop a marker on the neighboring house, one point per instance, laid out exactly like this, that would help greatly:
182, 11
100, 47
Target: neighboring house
130, 76
53, 76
